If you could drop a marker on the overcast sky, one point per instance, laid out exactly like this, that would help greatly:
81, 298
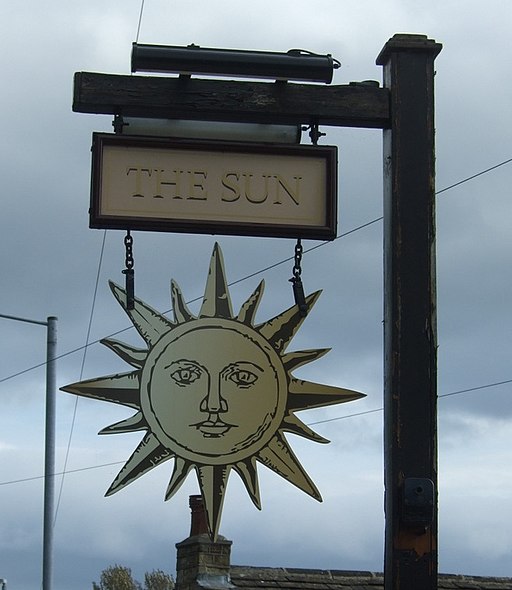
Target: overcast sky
50, 261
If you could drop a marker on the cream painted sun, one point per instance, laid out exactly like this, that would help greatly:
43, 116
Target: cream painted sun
214, 392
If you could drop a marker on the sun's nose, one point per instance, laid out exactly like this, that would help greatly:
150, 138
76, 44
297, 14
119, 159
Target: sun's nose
214, 402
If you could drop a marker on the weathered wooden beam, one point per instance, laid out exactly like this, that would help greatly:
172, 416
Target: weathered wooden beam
410, 344
352, 105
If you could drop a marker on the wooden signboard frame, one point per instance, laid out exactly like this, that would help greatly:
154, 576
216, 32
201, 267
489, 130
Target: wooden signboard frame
213, 187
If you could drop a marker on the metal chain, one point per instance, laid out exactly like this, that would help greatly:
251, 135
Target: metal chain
297, 269
129, 272
296, 281
298, 289
128, 244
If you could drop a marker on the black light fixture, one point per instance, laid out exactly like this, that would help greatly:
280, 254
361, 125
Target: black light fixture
253, 132
295, 64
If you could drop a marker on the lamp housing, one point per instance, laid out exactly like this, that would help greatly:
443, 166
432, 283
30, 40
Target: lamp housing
213, 130
295, 64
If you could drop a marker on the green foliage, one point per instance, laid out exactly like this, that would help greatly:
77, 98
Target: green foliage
118, 577
158, 580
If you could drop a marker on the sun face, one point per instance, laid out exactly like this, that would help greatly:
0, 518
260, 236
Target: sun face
213, 392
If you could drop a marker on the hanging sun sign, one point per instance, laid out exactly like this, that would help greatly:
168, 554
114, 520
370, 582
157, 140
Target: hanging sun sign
214, 392
159, 184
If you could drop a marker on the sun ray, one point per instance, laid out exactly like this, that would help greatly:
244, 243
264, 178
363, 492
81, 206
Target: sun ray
280, 330
305, 395
249, 475
294, 425
213, 478
149, 323
216, 301
135, 423
182, 313
248, 310
181, 469
122, 388
278, 456
296, 359
146, 456
133, 356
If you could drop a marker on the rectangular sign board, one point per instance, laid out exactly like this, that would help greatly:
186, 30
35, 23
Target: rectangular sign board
214, 187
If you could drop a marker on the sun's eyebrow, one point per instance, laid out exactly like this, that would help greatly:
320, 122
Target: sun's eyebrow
242, 364
185, 362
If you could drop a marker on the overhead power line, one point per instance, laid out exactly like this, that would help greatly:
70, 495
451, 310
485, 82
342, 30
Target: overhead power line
355, 415
263, 270
140, 21
235, 282
459, 392
270, 267
85, 348
474, 176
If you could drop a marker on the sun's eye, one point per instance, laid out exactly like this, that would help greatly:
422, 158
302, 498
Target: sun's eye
242, 378
185, 375
243, 374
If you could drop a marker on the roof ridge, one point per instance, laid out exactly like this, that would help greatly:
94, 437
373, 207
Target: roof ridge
285, 578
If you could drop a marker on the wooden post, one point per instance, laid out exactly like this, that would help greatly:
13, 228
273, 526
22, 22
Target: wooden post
410, 388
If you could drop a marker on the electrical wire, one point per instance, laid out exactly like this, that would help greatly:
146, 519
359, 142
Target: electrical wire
337, 418
85, 348
140, 21
232, 283
272, 266
263, 270
266, 269
459, 392
474, 176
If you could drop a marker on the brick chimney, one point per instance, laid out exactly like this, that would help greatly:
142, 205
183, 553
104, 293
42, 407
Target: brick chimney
200, 563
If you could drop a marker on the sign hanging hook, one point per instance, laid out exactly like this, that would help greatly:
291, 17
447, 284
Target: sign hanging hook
314, 132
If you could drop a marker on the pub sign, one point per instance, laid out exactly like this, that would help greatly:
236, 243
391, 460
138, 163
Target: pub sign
214, 187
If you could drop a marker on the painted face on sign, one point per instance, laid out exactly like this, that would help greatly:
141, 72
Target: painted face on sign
214, 392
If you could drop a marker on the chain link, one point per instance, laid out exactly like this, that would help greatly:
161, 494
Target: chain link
297, 269
296, 281
129, 272
128, 244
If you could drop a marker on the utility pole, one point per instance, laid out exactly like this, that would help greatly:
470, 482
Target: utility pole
49, 446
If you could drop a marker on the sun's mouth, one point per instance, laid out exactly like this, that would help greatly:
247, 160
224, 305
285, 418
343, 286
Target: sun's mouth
213, 427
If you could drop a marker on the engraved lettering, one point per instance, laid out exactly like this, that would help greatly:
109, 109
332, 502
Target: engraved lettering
197, 179
176, 183
249, 189
138, 178
228, 181
192, 185
293, 194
